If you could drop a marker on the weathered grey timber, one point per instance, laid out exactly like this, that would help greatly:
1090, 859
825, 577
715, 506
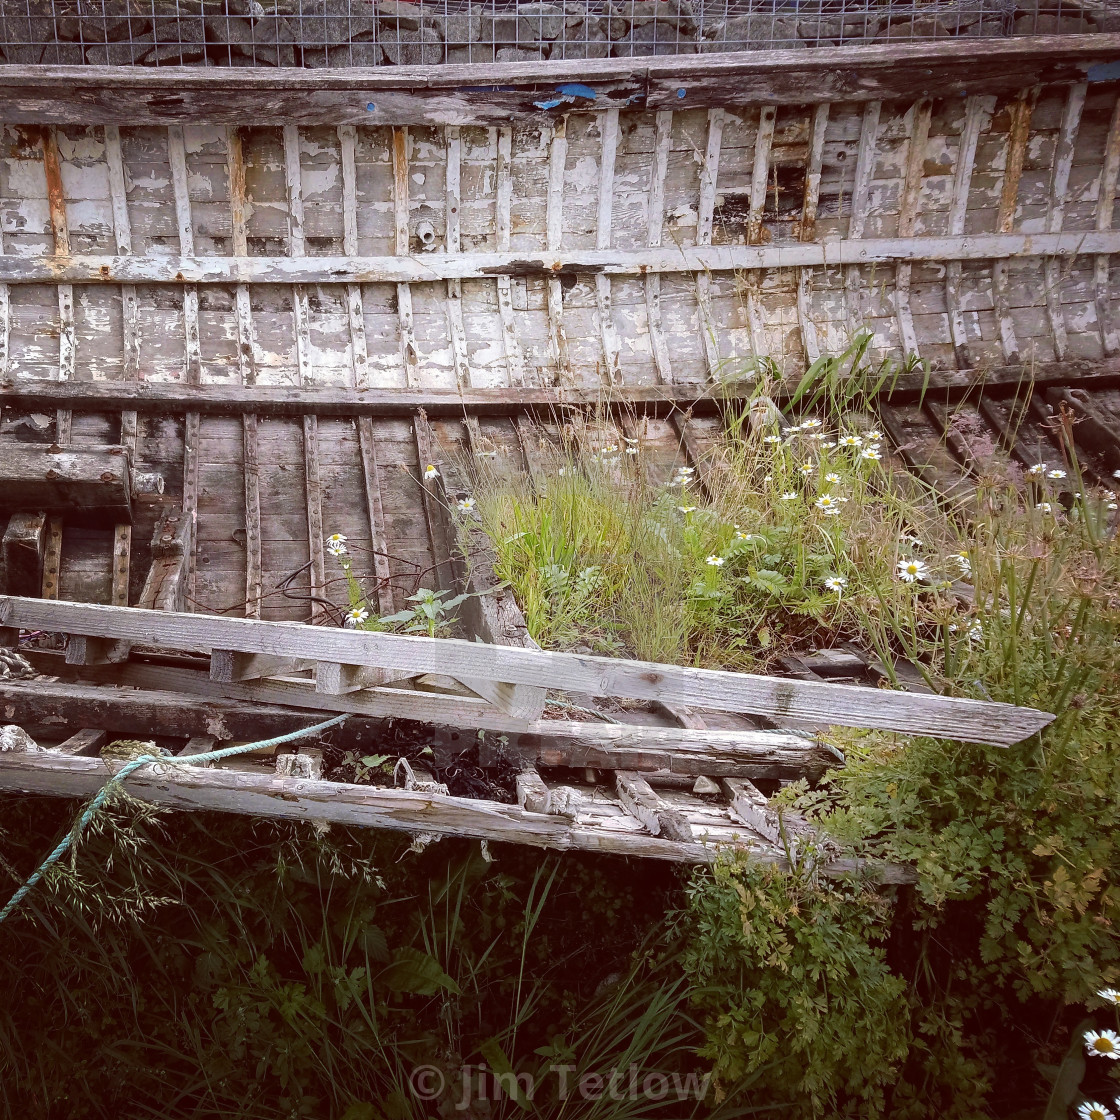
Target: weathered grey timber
286, 295
951, 717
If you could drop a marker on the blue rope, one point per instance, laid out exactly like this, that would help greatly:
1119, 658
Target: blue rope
117, 780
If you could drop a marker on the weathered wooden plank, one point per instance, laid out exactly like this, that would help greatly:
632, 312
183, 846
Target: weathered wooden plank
409, 353
504, 92
949, 717
920, 117
865, 168
269, 400
122, 550
407, 268
259, 793
60, 233
515, 359
52, 558
372, 485
655, 216
705, 213
49, 477
760, 171
191, 447
806, 232
1055, 211
1018, 137
608, 332
454, 302
554, 220
977, 109
359, 350
177, 156
1106, 201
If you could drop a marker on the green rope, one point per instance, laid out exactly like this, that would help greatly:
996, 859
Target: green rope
117, 780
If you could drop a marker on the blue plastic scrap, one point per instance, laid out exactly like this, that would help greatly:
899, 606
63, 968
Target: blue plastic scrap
1104, 72
568, 94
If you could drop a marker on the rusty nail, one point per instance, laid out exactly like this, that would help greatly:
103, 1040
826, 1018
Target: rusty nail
107, 476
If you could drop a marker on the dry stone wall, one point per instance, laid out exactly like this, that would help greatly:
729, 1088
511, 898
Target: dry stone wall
399, 32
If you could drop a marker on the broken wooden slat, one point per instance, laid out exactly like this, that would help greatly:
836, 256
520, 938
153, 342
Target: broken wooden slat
50, 477
409, 353
88, 741
944, 716
515, 358
608, 126
749, 805
639, 799
165, 588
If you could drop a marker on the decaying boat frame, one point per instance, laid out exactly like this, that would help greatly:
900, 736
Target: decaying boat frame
230, 341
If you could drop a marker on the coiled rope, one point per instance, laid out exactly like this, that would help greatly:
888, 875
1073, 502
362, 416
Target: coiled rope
117, 780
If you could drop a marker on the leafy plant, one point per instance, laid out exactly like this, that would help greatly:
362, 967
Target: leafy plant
431, 615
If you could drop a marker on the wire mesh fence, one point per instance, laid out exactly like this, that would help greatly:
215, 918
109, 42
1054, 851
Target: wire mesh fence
395, 32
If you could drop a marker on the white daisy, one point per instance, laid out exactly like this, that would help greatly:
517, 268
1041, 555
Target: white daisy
964, 563
808, 425
1091, 1110
806, 468
430, 471
874, 435
835, 583
336, 544
793, 429
1109, 995
356, 617
832, 476
1116, 474
1102, 1044
715, 561
975, 632
913, 542
1056, 474
831, 443
851, 441
1043, 507
911, 570
630, 439
771, 439
768, 478
828, 504
741, 536
465, 505
871, 453
686, 509
1110, 505
789, 496
1037, 469
632, 450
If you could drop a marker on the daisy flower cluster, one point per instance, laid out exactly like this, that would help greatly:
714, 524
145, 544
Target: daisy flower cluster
1101, 1044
